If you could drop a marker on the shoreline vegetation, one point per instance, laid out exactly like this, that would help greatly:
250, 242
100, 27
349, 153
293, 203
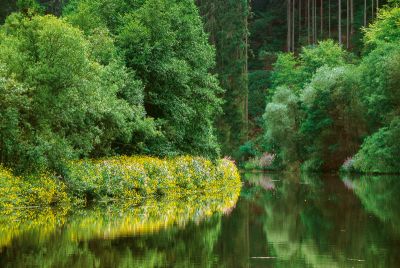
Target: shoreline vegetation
119, 179
105, 78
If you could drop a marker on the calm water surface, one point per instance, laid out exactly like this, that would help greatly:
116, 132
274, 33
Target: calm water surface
279, 221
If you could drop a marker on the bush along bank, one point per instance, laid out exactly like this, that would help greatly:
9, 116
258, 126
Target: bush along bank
120, 178
30, 191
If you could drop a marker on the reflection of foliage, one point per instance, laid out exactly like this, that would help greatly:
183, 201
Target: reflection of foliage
13, 225
315, 222
97, 236
191, 189
380, 195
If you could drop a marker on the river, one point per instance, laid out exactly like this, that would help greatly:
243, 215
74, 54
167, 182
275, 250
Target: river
278, 221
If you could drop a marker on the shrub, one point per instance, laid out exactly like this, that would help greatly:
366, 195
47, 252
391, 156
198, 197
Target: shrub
380, 152
348, 165
40, 190
140, 176
264, 162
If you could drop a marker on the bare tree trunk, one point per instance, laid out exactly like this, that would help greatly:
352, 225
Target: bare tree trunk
293, 17
352, 18
329, 18
373, 9
365, 13
322, 19
313, 22
289, 35
348, 24
308, 21
340, 21
299, 20
246, 71
377, 7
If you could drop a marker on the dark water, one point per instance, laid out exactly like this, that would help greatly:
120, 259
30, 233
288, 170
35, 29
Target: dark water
279, 221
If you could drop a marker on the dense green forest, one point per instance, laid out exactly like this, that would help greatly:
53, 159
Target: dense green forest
330, 79
286, 84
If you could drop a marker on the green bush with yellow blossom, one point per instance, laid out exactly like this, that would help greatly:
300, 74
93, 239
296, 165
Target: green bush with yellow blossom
141, 176
36, 190
119, 178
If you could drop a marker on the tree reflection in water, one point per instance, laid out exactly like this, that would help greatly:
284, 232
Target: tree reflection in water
280, 220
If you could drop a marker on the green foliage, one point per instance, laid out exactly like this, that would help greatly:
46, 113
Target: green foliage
163, 42
380, 82
312, 110
287, 72
380, 152
258, 81
326, 53
120, 178
136, 177
386, 29
334, 117
340, 102
32, 191
60, 103
226, 23
29, 6
295, 72
282, 122
89, 15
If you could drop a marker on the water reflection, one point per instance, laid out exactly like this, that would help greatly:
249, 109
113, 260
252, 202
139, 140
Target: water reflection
154, 234
281, 220
380, 196
319, 222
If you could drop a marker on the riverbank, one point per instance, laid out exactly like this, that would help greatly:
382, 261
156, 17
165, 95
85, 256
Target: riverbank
118, 178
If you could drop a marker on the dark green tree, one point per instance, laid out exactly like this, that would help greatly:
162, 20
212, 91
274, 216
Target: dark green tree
164, 43
227, 25
58, 102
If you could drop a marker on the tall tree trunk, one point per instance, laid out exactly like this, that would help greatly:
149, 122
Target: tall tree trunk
377, 7
348, 24
288, 25
246, 72
351, 19
340, 21
308, 22
299, 20
313, 22
373, 9
329, 18
293, 17
322, 19
365, 13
